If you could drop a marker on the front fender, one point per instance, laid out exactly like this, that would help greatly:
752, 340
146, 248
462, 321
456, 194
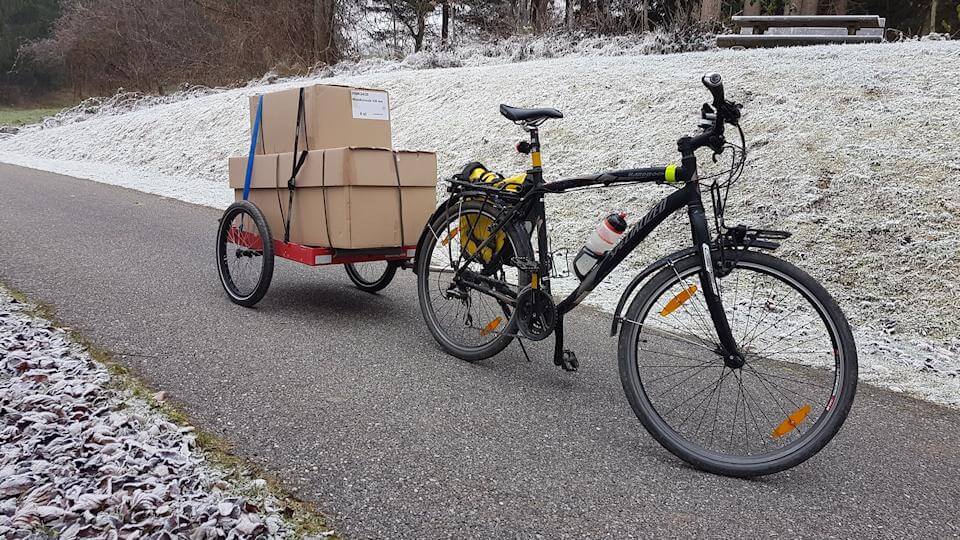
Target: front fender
642, 277
740, 238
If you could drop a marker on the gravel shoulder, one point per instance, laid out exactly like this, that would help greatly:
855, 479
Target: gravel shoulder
88, 452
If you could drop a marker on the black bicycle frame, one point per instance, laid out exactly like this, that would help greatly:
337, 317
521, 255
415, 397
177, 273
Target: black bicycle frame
531, 205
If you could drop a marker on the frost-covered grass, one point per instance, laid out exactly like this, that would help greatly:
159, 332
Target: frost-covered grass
475, 52
85, 455
852, 147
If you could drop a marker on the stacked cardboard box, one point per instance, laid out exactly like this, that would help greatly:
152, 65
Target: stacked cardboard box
353, 190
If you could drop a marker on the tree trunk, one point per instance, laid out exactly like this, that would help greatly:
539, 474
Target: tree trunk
445, 24
645, 16
933, 16
539, 12
710, 10
396, 35
840, 6
325, 32
421, 30
751, 9
568, 13
801, 7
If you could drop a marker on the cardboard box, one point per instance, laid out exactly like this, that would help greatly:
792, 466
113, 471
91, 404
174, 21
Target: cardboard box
346, 198
263, 188
334, 117
418, 181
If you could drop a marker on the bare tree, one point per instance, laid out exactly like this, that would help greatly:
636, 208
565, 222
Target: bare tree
412, 15
540, 14
710, 10
840, 7
933, 16
752, 7
802, 7
325, 32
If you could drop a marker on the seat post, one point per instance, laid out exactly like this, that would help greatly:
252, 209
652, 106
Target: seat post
535, 147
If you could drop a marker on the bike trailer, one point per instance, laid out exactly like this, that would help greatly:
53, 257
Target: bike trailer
359, 203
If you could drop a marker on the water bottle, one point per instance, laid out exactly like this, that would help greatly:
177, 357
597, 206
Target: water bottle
603, 238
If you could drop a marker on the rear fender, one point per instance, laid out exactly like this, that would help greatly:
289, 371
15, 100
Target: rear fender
426, 230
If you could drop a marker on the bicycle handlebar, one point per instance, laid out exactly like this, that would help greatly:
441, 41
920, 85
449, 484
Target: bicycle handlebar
714, 83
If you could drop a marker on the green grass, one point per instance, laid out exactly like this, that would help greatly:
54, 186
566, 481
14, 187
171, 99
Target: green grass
21, 117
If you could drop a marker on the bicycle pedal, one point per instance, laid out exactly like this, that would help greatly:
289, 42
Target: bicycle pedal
524, 264
568, 361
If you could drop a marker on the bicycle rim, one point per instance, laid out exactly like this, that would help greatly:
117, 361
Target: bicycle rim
463, 318
780, 403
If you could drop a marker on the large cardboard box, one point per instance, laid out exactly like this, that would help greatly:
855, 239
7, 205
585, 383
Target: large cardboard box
346, 198
334, 117
418, 181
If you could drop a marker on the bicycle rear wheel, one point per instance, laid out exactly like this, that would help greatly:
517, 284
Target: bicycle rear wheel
786, 402
466, 322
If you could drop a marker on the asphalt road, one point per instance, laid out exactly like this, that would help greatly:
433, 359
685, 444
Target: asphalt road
344, 396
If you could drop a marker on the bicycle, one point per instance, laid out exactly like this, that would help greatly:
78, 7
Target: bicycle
721, 333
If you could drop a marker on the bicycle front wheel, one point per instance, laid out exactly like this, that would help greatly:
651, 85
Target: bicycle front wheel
776, 411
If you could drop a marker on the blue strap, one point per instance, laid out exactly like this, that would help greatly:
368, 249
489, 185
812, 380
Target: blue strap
253, 148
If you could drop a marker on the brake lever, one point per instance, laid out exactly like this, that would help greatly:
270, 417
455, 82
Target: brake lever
731, 112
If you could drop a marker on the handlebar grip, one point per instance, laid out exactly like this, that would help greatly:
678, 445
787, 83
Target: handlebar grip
714, 83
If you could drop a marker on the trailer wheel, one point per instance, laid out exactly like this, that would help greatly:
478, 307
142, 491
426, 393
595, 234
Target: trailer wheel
371, 276
244, 253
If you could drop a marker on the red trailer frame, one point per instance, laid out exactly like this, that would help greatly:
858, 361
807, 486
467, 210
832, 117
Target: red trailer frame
322, 256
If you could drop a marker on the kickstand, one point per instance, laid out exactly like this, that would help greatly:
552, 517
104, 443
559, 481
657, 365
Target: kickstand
523, 348
563, 358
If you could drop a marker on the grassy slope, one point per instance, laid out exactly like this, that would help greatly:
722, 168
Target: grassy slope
19, 117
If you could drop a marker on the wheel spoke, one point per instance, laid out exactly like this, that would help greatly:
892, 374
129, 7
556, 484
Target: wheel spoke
753, 411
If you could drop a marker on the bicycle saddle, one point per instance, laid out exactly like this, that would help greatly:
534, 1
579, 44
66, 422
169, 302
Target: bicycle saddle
516, 114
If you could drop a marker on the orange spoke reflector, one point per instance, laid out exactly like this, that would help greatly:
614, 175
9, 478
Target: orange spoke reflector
450, 236
791, 422
491, 326
678, 301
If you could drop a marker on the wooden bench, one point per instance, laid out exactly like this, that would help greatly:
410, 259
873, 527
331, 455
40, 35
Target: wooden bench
789, 30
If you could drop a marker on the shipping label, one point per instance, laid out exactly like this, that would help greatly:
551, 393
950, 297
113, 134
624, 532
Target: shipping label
370, 105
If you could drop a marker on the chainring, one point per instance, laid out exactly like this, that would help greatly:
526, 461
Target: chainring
536, 314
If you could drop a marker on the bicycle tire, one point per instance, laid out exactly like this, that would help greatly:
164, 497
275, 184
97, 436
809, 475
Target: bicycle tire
367, 285
247, 297
519, 243
810, 442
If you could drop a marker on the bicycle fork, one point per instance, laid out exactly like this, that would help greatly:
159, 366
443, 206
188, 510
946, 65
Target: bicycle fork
728, 347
